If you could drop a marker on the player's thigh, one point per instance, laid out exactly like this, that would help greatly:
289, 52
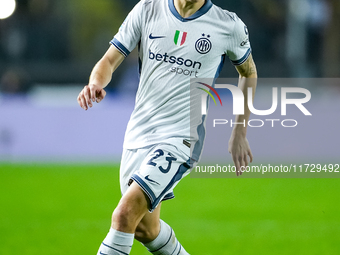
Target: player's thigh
149, 227
131, 209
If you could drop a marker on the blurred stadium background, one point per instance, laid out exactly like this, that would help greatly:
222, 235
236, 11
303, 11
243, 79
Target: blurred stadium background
59, 164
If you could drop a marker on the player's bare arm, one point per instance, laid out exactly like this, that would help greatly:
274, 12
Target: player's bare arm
238, 143
100, 77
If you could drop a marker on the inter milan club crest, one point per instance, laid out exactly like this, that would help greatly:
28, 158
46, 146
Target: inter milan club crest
180, 37
203, 45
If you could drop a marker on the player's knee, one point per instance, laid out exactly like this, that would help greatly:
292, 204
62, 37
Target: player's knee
122, 219
146, 234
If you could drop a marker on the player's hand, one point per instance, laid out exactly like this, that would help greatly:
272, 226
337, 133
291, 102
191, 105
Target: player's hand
240, 151
90, 93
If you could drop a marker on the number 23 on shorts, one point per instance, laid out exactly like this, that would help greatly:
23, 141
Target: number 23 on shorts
168, 157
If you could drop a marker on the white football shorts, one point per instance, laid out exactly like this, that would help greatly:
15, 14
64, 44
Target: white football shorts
157, 169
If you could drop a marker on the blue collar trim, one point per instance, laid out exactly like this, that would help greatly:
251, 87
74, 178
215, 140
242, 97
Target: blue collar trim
203, 10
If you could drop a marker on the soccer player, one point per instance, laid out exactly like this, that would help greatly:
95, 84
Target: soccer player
177, 40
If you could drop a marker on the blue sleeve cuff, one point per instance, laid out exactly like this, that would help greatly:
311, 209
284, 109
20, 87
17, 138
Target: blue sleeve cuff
243, 59
120, 47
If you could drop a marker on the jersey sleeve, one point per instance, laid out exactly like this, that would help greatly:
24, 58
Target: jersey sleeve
129, 33
239, 48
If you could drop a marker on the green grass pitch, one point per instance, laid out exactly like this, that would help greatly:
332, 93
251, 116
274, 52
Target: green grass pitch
66, 209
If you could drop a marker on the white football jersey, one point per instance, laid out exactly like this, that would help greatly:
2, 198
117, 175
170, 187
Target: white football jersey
173, 49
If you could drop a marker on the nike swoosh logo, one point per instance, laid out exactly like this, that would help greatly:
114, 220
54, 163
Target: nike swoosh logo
147, 178
155, 37
102, 253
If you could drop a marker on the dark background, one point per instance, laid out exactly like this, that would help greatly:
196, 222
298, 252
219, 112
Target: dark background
58, 42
